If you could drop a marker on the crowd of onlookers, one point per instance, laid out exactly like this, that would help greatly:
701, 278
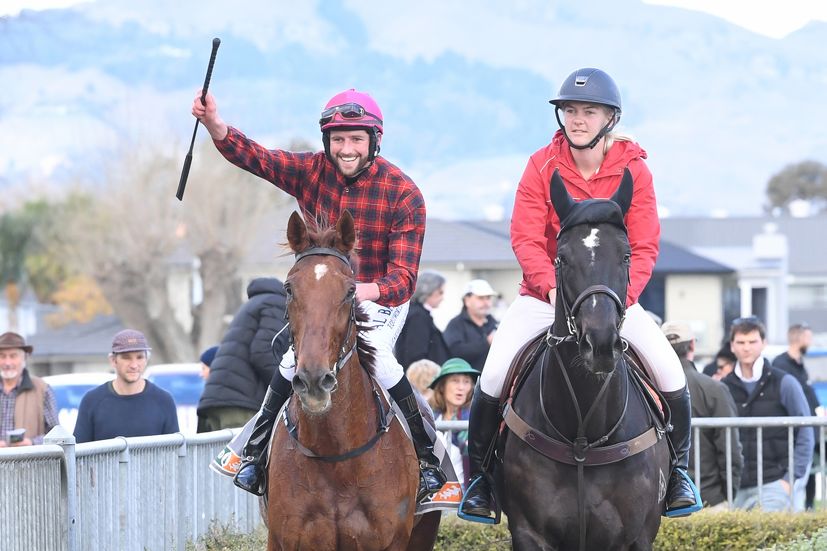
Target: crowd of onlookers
444, 366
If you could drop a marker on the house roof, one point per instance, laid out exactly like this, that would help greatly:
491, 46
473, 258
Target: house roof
676, 259
74, 339
479, 244
806, 249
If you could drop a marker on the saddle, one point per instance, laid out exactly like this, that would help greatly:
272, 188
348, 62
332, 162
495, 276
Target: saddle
526, 360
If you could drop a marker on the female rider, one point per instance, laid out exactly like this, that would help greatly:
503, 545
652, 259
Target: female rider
591, 160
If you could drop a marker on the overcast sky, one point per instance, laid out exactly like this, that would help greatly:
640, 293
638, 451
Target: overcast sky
774, 19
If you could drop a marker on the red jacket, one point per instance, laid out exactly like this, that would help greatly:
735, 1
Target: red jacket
534, 224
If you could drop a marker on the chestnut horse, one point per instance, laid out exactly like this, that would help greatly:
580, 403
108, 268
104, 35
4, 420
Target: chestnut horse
343, 475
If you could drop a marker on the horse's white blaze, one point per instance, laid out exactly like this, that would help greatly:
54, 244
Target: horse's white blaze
320, 270
592, 241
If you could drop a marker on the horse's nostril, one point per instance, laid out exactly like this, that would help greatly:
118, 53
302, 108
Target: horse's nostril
328, 381
299, 384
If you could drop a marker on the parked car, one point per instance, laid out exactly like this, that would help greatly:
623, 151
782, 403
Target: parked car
69, 389
821, 392
185, 384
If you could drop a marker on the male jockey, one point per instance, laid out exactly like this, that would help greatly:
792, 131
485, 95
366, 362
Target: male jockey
389, 214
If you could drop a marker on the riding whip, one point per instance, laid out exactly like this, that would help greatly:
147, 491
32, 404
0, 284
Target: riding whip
182, 183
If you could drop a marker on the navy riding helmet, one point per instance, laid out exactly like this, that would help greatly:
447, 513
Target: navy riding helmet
591, 86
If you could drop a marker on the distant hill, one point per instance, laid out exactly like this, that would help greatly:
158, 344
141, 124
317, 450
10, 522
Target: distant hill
465, 91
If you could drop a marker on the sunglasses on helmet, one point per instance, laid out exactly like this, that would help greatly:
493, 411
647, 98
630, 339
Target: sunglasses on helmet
352, 111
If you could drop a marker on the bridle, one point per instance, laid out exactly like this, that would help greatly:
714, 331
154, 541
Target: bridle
347, 349
571, 310
345, 353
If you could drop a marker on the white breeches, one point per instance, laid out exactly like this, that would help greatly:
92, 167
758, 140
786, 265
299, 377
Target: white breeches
527, 317
387, 322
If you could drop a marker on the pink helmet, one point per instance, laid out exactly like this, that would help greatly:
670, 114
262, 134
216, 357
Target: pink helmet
351, 109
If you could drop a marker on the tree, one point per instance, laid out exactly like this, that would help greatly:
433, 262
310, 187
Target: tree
806, 180
137, 237
15, 237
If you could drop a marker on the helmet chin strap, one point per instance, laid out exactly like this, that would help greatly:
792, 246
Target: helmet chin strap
373, 149
606, 129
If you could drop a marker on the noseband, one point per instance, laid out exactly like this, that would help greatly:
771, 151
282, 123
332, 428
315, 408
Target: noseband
345, 352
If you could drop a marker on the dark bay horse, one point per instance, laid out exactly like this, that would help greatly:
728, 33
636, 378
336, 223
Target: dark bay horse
342, 475
586, 461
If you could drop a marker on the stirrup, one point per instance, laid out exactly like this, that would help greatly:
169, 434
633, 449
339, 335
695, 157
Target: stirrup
261, 488
477, 518
426, 492
689, 509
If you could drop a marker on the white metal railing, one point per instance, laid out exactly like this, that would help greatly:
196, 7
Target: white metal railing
152, 492
157, 492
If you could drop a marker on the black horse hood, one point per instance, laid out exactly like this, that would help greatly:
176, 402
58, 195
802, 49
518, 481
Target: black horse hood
591, 211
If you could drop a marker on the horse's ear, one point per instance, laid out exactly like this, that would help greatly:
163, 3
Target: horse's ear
623, 195
560, 198
346, 230
297, 233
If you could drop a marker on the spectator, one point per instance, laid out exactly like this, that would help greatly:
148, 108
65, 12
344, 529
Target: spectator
709, 398
452, 402
26, 403
129, 405
420, 338
470, 333
761, 390
722, 365
799, 338
207, 356
421, 373
245, 361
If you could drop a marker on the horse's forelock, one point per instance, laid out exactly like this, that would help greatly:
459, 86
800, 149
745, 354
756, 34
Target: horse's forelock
321, 233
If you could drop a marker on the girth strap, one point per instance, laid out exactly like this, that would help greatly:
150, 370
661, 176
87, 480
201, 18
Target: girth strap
565, 453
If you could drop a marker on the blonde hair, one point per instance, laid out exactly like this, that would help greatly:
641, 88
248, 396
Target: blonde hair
421, 373
613, 137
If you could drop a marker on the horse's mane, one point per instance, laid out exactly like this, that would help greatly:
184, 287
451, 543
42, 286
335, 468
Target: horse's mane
321, 233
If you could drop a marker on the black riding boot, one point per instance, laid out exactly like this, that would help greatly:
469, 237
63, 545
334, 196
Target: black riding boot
431, 477
482, 429
251, 476
679, 493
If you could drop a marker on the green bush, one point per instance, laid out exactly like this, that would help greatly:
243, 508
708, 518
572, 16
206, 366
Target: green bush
736, 530
730, 531
817, 541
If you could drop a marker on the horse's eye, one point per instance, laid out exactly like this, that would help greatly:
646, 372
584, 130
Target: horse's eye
627, 258
351, 293
288, 290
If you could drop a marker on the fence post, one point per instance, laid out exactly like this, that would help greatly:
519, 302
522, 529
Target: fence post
63, 438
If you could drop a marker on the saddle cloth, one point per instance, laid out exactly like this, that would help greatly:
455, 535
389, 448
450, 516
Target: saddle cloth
228, 461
